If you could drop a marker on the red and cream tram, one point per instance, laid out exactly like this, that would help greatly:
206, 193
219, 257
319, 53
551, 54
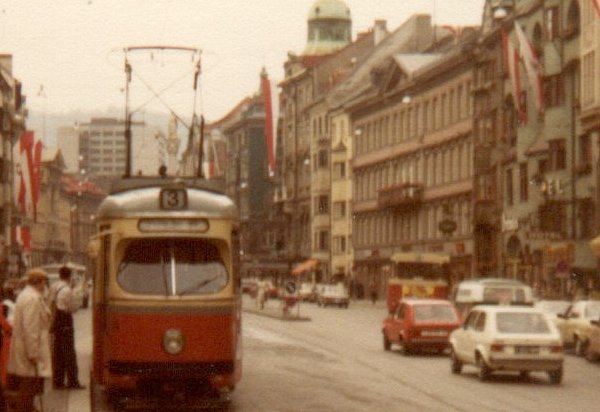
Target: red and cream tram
166, 297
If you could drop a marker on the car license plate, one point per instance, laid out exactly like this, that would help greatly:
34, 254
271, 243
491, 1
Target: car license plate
434, 333
527, 350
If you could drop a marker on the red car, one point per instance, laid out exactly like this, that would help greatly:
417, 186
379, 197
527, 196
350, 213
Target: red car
420, 324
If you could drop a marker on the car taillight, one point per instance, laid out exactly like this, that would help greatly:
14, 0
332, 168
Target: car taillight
497, 347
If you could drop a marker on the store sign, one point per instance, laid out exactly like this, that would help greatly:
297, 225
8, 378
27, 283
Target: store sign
447, 226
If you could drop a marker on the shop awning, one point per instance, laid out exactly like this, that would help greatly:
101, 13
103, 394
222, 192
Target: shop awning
413, 257
305, 266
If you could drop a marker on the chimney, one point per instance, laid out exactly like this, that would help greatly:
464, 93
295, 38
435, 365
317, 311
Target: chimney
379, 31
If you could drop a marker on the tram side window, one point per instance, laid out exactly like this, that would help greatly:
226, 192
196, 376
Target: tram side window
172, 267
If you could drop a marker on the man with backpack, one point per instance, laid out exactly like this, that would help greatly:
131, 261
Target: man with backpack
64, 358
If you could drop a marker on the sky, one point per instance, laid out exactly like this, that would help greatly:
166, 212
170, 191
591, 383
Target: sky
69, 53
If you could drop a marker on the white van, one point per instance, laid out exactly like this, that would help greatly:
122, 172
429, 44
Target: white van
469, 293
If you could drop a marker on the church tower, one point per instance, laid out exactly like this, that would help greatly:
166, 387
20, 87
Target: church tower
329, 27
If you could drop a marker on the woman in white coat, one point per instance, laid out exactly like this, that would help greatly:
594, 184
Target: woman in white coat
29, 359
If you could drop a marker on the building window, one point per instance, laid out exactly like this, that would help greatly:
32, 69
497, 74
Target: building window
585, 154
554, 91
557, 154
552, 20
339, 244
339, 170
323, 159
586, 215
510, 123
542, 166
322, 205
339, 210
509, 188
523, 183
572, 19
323, 241
552, 217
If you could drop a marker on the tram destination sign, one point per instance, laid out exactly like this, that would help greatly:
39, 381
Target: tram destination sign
173, 199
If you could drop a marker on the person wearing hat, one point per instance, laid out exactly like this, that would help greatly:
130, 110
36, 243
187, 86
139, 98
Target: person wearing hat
64, 357
29, 358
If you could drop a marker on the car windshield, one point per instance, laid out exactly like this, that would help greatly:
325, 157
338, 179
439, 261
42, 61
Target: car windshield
521, 322
434, 313
503, 294
172, 267
592, 311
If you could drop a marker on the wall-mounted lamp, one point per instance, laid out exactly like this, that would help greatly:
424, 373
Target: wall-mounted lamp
406, 99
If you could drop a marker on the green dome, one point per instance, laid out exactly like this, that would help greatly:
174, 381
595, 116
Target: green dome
329, 9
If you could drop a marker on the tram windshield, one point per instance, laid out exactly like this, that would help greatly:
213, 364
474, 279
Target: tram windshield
172, 267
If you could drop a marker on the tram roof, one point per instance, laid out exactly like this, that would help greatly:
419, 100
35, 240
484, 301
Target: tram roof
140, 197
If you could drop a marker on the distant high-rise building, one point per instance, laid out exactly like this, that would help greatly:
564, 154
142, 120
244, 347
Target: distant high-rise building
98, 148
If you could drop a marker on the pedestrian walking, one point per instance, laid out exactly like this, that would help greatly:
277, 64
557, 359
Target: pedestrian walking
29, 358
64, 358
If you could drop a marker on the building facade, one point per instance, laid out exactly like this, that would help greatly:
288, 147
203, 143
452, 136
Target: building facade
535, 186
12, 123
329, 28
412, 167
248, 183
412, 36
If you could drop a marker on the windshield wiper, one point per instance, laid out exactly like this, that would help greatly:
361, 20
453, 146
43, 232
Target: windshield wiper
199, 285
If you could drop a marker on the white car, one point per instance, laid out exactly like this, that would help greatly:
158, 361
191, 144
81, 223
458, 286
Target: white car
336, 295
508, 338
574, 324
553, 307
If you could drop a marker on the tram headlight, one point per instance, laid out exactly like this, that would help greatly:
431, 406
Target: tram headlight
173, 341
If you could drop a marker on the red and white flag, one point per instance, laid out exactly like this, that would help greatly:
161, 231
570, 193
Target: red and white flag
271, 102
22, 236
28, 158
596, 5
532, 67
511, 56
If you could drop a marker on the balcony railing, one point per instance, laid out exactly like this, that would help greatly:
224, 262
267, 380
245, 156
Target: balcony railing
401, 197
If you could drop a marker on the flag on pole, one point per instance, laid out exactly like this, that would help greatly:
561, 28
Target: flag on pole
511, 56
271, 103
532, 67
28, 157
